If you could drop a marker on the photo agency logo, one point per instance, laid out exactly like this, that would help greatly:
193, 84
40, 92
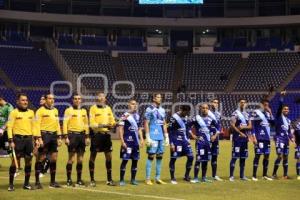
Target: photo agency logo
118, 97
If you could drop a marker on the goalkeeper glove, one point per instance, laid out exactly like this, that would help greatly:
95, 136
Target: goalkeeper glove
148, 140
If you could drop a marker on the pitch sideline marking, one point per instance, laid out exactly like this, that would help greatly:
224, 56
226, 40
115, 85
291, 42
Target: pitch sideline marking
111, 192
124, 194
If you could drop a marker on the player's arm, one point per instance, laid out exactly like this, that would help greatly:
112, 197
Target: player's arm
147, 126
2, 129
217, 129
65, 125
87, 128
36, 135
141, 136
120, 131
236, 129
92, 115
37, 122
281, 100
59, 141
112, 121
166, 135
291, 135
10, 125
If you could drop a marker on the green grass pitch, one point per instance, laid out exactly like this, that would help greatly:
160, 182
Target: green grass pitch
278, 189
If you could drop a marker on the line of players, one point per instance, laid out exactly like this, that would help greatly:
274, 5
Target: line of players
40, 134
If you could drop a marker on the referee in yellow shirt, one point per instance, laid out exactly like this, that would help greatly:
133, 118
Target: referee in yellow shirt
75, 130
47, 125
20, 130
101, 122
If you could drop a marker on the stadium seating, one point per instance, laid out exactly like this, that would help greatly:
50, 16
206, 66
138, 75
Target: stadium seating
8, 95
28, 67
208, 71
129, 44
14, 38
265, 70
295, 83
292, 100
91, 62
149, 71
261, 44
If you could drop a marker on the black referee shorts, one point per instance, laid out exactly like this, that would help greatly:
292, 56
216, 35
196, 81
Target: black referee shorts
50, 142
101, 142
23, 145
77, 142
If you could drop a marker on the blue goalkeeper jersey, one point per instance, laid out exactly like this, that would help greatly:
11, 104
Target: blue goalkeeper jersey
156, 117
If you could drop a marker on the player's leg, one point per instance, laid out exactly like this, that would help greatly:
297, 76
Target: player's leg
255, 166
150, 159
38, 167
172, 169
265, 167
93, 154
108, 165
133, 171
285, 166
135, 156
189, 162
53, 160
276, 164
92, 159
79, 167
27, 170
28, 152
53, 151
159, 157
243, 157
69, 166
214, 160
122, 171
173, 157
80, 149
235, 155
12, 171
204, 163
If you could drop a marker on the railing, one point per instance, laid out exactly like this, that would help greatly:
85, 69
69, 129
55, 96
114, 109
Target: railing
61, 64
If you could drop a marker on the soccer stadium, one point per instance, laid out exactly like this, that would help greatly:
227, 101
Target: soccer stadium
150, 99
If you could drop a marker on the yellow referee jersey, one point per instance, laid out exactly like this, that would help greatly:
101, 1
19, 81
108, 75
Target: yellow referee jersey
75, 120
101, 115
47, 120
20, 123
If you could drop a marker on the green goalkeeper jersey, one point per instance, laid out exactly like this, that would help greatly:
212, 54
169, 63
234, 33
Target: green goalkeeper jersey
4, 113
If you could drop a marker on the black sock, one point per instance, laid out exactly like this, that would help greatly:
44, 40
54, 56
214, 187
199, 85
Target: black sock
276, 165
232, 166
188, 166
265, 166
172, 168
108, 170
214, 165
12, 171
285, 167
204, 169
242, 167
133, 169
27, 171
196, 169
92, 168
79, 171
123, 169
52, 171
45, 165
255, 164
38, 168
69, 170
